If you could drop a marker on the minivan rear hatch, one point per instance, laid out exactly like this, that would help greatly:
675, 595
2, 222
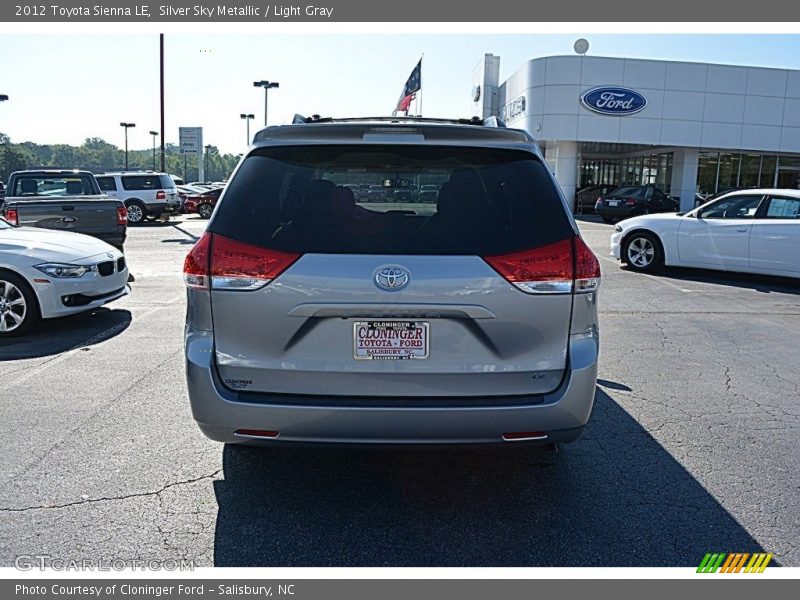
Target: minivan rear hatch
465, 292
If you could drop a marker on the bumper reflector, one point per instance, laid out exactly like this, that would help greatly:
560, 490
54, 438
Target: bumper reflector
256, 433
520, 436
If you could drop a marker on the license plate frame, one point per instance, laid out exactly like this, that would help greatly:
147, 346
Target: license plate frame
389, 347
613, 202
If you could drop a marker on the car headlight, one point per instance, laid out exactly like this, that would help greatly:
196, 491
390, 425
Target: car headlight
618, 229
64, 271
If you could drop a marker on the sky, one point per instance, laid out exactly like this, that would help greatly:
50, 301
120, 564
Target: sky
65, 88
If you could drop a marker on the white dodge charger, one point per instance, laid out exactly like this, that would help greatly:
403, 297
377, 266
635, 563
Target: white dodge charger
46, 273
749, 231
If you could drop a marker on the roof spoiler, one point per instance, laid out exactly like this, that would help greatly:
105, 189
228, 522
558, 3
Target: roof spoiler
488, 122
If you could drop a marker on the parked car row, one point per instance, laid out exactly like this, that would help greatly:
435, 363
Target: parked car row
397, 192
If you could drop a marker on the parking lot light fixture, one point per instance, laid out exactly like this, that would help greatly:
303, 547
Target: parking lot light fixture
267, 85
126, 126
247, 118
154, 134
205, 170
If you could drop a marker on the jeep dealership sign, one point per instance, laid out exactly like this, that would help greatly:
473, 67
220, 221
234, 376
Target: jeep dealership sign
617, 101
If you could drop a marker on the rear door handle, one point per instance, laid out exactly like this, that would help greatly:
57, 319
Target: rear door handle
67, 207
390, 311
742, 230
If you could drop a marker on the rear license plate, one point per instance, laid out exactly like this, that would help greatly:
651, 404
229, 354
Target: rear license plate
613, 203
390, 340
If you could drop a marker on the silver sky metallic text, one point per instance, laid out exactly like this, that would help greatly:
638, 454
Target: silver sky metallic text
269, 11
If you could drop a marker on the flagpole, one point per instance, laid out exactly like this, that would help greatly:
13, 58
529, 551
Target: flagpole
420, 84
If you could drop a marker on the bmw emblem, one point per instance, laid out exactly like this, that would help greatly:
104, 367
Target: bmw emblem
392, 277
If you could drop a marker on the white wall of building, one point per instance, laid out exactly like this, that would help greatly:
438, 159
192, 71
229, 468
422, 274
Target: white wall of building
690, 106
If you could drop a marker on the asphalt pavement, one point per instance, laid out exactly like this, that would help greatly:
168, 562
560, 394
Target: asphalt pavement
692, 447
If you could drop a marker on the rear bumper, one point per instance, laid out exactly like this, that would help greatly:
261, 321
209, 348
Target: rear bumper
160, 208
618, 212
219, 412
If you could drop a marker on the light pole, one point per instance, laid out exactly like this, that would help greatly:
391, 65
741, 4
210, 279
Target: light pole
126, 126
267, 85
161, 81
247, 118
154, 134
205, 171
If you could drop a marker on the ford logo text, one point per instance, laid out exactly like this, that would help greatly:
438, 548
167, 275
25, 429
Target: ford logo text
613, 101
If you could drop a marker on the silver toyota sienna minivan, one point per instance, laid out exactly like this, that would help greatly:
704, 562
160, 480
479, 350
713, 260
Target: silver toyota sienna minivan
320, 315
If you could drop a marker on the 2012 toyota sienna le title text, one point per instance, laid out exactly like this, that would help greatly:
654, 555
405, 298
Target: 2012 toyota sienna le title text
466, 317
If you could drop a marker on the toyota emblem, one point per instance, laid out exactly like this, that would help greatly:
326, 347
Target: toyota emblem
392, 277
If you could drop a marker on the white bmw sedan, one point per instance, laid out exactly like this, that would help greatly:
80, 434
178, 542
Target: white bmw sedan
46, 274
749, 231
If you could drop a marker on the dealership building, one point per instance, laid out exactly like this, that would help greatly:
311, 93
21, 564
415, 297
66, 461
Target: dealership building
688, 128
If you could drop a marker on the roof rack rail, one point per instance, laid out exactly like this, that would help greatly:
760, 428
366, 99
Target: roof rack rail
488, 122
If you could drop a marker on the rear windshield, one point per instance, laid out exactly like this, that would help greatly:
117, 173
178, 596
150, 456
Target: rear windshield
368, 200
77, 184
627, 191
147, 182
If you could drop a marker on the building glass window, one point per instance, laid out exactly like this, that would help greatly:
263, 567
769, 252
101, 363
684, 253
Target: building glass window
789, 161
728, 172
749, 169
768, 164
707, 165
649, 169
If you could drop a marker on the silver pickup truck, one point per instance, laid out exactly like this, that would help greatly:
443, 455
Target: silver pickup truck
68, 200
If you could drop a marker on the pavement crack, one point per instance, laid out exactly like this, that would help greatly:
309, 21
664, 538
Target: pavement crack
155, 493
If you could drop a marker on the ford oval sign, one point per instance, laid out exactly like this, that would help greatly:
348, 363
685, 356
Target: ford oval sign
613, 101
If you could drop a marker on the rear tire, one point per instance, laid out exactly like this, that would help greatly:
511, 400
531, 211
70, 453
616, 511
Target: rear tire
136, 212
643, 252
19, 308
205, 210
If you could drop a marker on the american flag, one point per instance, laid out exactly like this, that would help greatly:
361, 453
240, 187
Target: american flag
413, 85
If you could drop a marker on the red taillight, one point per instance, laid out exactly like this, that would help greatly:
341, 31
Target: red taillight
587, 267
599, 201
631, 202
122, 215
195, 266
161, 195
545, 270
233, 265
238, 266
11, 216
551, 269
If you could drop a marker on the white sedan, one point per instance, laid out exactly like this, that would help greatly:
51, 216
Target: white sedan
749, 231
46, 273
